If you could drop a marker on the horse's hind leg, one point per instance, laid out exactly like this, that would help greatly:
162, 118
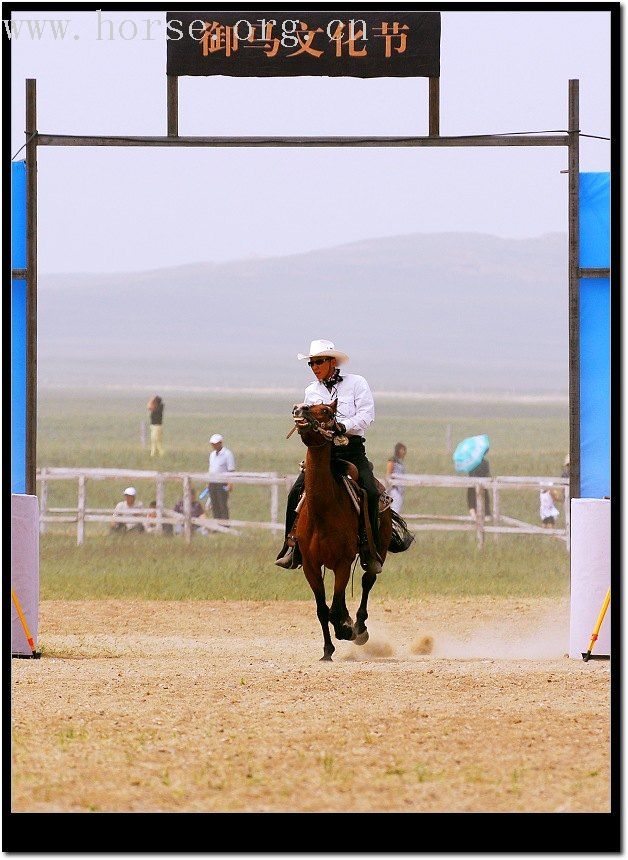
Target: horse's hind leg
359, 629
315, 580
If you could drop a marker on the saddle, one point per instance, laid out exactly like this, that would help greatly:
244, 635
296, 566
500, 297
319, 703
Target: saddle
348, 473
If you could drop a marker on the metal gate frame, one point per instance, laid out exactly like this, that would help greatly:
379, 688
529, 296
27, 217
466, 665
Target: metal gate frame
569, 139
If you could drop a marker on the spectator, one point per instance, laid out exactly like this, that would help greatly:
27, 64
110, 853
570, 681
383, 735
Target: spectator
220, 460
559, 494
396, 466
166, 528
156, 410
125, 509
548, 511
195, 507
482, 470
565, 472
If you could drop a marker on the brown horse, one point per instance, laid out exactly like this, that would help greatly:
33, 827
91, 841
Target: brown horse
327, 529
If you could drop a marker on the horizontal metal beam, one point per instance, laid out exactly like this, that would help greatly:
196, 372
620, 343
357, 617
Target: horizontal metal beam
472, 140
595, 273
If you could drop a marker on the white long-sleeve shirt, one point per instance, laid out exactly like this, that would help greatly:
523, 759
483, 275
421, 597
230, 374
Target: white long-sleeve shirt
221, 461
356, 408
124, 510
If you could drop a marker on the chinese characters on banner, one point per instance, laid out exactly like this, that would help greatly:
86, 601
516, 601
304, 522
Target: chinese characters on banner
388, 44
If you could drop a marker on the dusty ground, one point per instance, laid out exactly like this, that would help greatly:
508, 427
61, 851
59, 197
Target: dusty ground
225, 707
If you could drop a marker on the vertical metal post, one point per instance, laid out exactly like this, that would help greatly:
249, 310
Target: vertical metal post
173, 105
80, 518
187, 509
31, 285
434, 107
43, 500
574, 291
479, 514
159, 498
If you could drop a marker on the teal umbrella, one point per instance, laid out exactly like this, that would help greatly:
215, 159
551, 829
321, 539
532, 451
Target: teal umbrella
470, 453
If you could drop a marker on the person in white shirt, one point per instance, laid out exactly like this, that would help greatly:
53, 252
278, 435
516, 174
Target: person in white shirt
355, 413
547, 509
125, 509
220, 460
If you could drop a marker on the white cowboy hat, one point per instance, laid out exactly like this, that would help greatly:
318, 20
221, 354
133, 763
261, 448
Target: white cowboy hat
324, 349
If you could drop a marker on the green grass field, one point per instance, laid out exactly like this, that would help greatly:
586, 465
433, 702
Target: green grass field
77, 429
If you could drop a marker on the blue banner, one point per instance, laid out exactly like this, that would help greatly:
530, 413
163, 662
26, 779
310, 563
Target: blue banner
18, 329
595, 338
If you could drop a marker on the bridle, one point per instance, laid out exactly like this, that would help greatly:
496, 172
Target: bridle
304, 420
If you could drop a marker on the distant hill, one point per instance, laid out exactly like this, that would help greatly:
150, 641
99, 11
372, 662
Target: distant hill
424, 312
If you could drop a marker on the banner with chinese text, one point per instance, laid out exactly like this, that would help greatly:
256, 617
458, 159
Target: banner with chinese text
283, 44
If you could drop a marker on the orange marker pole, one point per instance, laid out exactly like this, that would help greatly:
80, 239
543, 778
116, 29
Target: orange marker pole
598, 624
27, 632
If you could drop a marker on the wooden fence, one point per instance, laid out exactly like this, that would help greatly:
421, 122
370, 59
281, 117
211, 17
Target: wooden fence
158, 517
500, 523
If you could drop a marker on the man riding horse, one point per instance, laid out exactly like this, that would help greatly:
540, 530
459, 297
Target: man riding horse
355, 412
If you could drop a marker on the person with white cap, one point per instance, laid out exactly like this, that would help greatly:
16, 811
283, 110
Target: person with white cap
124, 509
355, 412
221, 459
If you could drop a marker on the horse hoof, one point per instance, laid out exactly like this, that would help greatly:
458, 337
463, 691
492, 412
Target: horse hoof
362, 638
326, 658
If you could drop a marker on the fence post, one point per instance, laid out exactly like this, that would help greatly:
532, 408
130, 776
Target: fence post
496, 511
159, 498
187, 509
274, 500
479, 514
80, 518
43, 505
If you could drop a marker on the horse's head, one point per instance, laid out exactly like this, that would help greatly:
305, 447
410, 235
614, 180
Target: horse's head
316, 423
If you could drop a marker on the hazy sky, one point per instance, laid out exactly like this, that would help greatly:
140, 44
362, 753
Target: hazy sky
121, 209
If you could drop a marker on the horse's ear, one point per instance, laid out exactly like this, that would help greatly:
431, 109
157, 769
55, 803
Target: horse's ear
334, 404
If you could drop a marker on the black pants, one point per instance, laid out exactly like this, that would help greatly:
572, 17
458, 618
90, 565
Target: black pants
355, 453
471, 500
219, 498
121, 527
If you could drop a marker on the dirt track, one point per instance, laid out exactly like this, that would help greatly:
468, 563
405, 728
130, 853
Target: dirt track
225, 707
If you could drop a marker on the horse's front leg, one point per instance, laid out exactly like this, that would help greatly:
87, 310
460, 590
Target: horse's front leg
314, 577
360, 632
339, 614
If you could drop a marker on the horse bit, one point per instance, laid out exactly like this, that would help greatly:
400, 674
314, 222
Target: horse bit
329, 430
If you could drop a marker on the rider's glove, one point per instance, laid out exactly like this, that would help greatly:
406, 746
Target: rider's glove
340, 428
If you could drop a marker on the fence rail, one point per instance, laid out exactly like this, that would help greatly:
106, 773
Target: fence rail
156, 518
